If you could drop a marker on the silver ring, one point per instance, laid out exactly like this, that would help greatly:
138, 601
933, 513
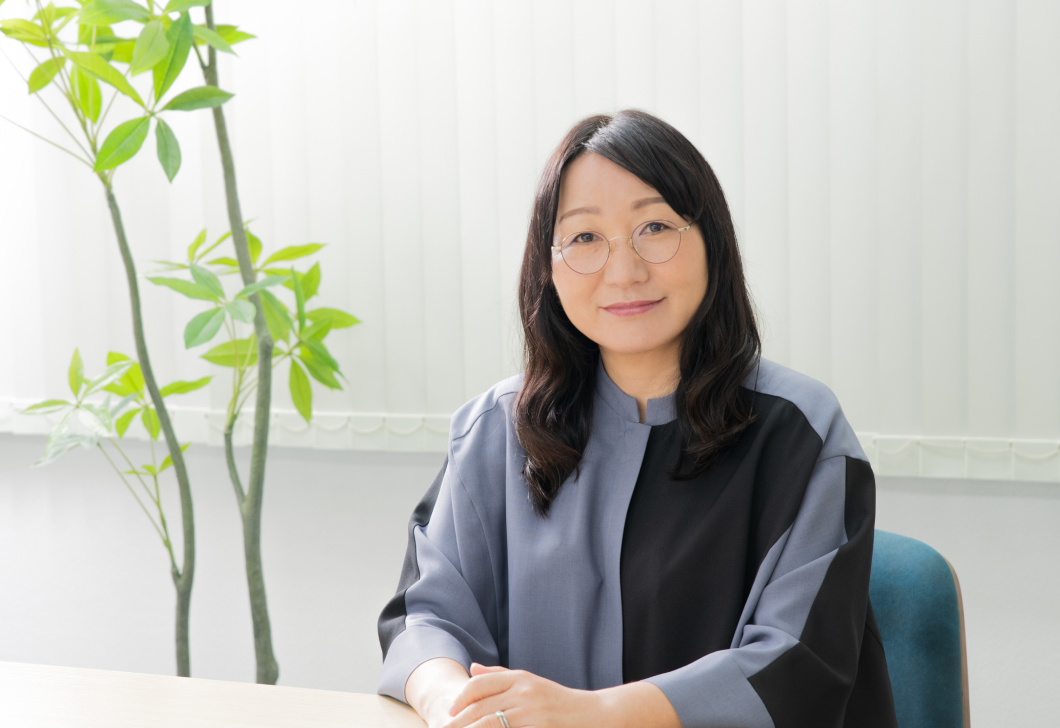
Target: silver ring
504, 721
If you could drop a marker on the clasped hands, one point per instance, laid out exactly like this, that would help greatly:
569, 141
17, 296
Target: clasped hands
529, 700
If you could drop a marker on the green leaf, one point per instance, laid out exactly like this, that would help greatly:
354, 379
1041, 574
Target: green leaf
276, 317
76, 373
111, 374
179, 37
49, 13
241, 352
199, 240
299, 297
94, 65
320, 371
44, 73
168, 461
262, 284
123, 52
105, 12
179, 6
338, 319
253, 245
151, 47
47, 406
124, 421
97, 419
320, 353
301, 391
87, 95
232, 34
200, 97
63, 444
189, 289
241, 310
204, 34
311, 281
219, 241
206, 277
181, 387
168, 149
123, 143
293, 252
203, 327
230, 262
317, 331
90, 35
24, 31
150, 469
133, 380
150, 420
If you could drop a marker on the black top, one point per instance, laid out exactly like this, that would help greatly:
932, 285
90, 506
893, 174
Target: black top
692, 548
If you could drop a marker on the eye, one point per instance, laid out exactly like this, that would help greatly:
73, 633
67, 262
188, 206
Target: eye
654, 228
586, 238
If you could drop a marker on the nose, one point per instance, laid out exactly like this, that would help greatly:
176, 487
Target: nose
624, 267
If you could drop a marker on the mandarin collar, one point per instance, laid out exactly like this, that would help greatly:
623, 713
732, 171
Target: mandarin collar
659, 411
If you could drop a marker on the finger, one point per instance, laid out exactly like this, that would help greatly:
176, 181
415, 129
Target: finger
483, 713
491, 721
481, 687
477, 669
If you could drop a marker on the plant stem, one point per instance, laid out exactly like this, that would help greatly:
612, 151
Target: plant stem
182, 579
250, 504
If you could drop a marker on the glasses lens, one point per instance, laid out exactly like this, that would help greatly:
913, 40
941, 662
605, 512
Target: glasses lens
585, 252
657, 241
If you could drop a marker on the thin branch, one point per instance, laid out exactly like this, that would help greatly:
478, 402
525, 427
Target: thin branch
135, 470
133, 492
45, 103
99, 124
67, 88
202, 63
46, 139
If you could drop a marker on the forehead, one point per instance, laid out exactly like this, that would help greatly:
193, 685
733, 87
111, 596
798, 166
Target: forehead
593, 180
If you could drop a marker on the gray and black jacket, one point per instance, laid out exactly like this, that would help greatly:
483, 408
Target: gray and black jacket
741, 593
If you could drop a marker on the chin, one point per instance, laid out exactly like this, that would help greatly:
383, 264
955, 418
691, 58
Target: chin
630, 345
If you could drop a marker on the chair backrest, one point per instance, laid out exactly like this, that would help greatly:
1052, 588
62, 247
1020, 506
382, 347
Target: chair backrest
916, 599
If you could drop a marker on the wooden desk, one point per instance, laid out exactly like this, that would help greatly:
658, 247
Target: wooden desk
42, 696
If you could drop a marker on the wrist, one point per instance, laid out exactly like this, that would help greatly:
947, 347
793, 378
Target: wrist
636, 705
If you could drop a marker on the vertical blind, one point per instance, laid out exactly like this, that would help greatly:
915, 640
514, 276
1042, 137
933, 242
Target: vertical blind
893, 169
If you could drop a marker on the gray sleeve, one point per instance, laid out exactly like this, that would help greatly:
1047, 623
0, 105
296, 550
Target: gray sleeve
445, 606
721, 688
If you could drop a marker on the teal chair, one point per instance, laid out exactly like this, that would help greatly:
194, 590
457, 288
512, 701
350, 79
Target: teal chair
916, 599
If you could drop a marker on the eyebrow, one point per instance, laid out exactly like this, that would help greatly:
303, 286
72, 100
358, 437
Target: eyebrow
646, 202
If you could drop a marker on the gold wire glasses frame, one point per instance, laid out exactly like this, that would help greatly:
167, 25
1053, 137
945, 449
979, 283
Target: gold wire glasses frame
587, 252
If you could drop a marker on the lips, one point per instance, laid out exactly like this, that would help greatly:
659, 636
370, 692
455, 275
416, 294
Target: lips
632, 308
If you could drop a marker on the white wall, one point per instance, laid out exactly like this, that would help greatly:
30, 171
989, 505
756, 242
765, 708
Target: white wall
85, 582
892, 167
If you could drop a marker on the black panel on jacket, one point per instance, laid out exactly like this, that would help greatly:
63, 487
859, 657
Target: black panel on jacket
822, 681
392, 619
691, 548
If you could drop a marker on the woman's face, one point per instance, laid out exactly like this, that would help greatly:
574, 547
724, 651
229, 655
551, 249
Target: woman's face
629, 306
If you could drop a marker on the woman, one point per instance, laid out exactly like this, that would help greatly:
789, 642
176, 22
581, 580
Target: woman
653, 526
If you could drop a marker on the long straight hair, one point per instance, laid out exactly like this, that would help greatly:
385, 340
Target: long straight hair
719, 348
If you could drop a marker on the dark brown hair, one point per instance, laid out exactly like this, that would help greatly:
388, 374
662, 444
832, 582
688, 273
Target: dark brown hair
554, 410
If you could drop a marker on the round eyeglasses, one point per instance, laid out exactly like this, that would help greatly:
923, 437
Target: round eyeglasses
586, 252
